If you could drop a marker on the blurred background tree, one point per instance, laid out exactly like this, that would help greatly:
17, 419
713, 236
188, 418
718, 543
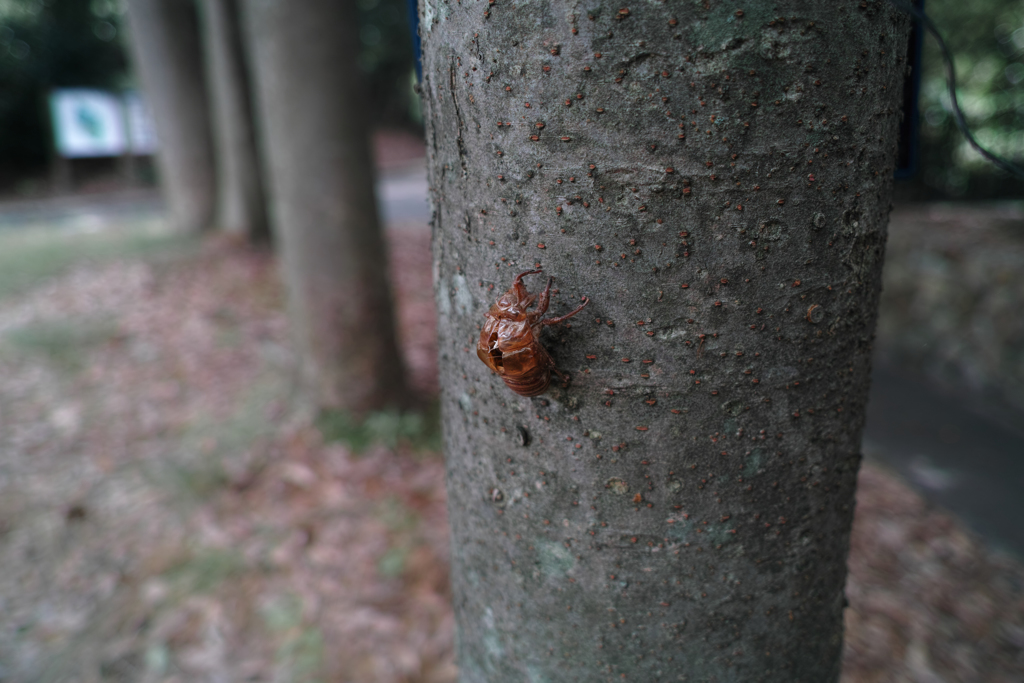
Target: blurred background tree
315, 131
47, 44
241, 201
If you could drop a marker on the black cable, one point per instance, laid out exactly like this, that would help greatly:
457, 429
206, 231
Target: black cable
958, 115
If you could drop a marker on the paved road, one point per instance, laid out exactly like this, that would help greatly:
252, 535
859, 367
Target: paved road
954, 454
402, 196
401, 192
80, 212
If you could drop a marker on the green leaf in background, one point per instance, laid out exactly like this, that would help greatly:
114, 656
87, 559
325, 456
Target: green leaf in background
986, 38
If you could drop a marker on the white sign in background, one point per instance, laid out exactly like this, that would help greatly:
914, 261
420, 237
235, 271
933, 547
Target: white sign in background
96, 123
141, 135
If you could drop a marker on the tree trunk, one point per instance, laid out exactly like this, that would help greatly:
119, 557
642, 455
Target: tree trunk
717, 181
166, 45
321, 180
240, 202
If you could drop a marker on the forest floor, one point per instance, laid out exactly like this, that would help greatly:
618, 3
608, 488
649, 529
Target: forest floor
170, 512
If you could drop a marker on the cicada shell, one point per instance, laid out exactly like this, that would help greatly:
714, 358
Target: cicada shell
509, 343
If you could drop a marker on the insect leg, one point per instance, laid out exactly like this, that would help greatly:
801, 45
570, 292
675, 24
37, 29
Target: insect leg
545, 299
551, 366
555, 321
519, 278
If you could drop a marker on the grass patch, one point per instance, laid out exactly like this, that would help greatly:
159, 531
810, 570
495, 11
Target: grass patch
206, 451
32, 255
204, 571
391, 564
63, 343
420, 431
402, 523
299, 655
192, 482
398, 518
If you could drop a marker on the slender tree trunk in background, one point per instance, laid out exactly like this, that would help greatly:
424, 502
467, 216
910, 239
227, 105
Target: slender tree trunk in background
168, 56
241, 207
321, 181
716, 178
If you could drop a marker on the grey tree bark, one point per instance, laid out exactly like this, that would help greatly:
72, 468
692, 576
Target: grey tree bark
168, 55
315, 139
241, 207
716, 178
